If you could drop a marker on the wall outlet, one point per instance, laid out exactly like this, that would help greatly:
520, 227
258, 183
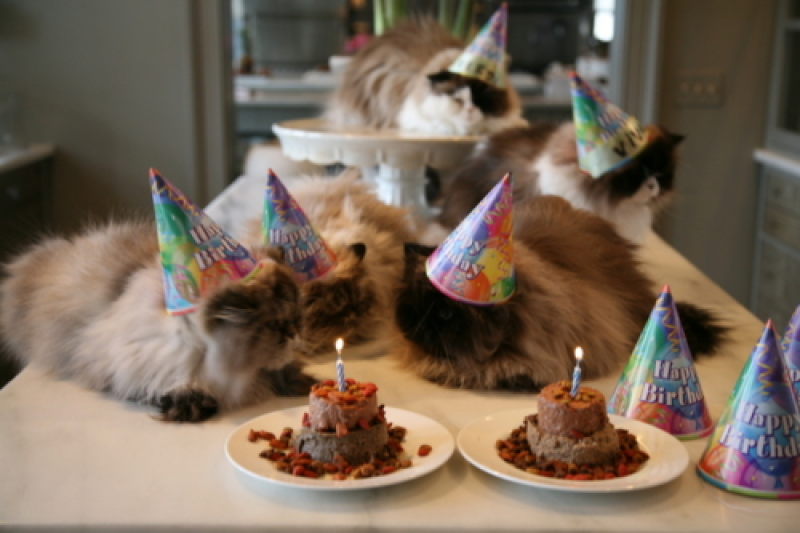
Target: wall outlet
699, 88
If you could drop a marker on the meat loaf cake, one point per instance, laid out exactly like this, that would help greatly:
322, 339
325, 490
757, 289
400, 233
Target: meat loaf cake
574, 430
349, 423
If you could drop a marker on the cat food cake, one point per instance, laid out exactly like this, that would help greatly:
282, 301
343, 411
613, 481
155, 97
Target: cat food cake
572, 429
347, 423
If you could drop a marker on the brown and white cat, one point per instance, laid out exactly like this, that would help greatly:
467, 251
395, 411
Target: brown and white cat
91, 309
577, 284
400, 80
356, 300
543, 159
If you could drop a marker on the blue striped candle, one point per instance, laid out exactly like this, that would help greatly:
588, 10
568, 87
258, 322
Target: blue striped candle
340, 365
576, 374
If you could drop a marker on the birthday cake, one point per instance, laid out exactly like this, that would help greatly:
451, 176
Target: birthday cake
348, 423
573, 429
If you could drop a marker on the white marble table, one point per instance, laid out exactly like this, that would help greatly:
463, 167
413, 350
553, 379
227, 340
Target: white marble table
71, 457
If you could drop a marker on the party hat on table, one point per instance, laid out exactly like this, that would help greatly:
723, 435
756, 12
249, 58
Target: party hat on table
607, 137
196, 254
791, 350
755, 447
659, 385
474, 263
484, 58
285, 224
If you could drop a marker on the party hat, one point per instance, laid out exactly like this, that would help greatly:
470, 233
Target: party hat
755, 447
659, 384
791, 350
484, 58
607, 137
474, 263
196, 254
285, 224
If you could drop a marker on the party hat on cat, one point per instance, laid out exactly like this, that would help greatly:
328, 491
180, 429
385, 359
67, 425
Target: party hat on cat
474, 263
484, 58
285, 224
659, 385
755, 447
196, 254
791, 350
607, 137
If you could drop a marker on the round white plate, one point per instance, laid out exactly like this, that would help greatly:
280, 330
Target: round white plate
243, 454
668, 457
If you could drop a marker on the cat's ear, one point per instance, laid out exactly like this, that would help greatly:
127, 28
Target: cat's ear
411, 249
676, 138
276, 253
359, 249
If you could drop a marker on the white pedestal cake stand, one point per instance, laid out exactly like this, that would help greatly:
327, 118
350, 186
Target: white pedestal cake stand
401, 157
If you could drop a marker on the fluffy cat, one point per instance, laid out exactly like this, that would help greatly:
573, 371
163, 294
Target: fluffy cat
356, 300
400, 80
577, 284
91, 309
543, 159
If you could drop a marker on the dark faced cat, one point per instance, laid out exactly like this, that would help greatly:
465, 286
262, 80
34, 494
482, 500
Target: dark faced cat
543, 159
577, 284
400, 80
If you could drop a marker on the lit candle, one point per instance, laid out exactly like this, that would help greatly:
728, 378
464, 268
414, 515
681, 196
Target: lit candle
576, 374
340, 365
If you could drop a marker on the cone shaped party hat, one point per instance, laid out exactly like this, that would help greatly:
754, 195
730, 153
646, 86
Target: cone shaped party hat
755, 447
285, 224
484, 58
474, 264
659, 384
607, 137
196, 254
791, 350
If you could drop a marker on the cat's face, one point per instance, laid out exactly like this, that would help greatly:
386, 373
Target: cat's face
341, 304
254, 324
450, 342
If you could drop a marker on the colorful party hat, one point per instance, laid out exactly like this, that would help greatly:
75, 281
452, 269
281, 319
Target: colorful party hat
791, 350
484, 58
474, 263
755, 447
196, 254
285, 224
659, 384
607, 137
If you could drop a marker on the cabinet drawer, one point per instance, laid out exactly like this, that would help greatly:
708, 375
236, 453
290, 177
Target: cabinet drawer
20, 187
778, 285
783, 192
783, 226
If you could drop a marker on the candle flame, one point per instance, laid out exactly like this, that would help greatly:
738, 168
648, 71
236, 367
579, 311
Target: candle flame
579, 354
339, 345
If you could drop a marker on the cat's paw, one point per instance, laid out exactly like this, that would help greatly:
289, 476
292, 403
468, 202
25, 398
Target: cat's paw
187, 405
289, 381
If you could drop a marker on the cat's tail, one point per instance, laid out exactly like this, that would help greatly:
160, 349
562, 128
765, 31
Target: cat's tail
704, 331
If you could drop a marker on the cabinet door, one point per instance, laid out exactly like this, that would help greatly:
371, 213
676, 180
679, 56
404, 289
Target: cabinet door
783, 128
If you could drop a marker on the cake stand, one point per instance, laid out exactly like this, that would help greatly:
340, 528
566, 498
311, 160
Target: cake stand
400, 156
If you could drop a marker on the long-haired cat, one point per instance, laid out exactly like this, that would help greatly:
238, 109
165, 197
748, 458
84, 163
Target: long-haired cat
577, 284
91, 309
356, 300
543, 159
400, 80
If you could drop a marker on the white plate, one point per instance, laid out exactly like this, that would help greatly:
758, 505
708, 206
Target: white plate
243, 454
668, 457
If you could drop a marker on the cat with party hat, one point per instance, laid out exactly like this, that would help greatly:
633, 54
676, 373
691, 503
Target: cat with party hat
171, 313
560, 278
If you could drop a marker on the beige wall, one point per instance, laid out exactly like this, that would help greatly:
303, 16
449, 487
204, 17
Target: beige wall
712, 221
113, 85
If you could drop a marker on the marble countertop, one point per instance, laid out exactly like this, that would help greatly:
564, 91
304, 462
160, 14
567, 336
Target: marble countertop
72, 457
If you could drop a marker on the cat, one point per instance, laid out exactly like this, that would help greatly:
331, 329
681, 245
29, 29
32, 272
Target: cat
577, 284
355, 301
543, 159
91, 309
400, 80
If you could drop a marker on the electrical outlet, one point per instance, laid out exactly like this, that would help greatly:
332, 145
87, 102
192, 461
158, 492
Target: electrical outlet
700, 88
